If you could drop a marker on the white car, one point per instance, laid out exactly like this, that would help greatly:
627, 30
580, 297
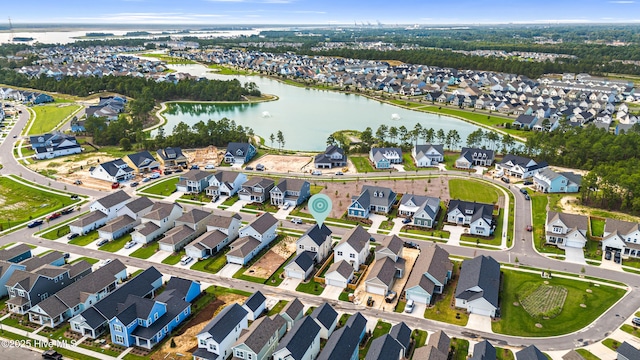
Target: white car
185, 260
286, 206
296, 221
316, 172
129, 244
409, 307
154, 175
209, 167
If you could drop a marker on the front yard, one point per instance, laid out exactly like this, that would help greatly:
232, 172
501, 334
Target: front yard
146, 251
444, 309
473, 190
213, 264
162, 188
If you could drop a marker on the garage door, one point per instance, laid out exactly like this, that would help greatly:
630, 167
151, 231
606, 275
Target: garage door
480, 311
335, 282
575, 244
376, 289
421, 299
295, 274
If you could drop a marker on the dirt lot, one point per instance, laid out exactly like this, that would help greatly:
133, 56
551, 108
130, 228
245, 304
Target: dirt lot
205, 156
341, 193
283, 163
273, 259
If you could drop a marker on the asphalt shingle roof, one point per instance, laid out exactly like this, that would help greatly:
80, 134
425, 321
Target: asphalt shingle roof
299, 339
483, 272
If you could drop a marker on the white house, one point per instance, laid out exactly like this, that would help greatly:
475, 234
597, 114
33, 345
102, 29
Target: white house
353, 247
479, 286
423, 209
339, 274
478, 216
58, 145
218, 336
221, 230
253, 238
156, 222
190, 225
255, 305
431, 272
622, 236
301, 266
317, 240
428, 155
128, 217
112, 171
302, 342
225, 183
101, 211
566, 230
520, 167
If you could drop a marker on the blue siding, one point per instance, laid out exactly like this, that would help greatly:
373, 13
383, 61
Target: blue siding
194, 291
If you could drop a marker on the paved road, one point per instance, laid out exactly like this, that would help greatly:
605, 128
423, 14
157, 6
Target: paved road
522, 248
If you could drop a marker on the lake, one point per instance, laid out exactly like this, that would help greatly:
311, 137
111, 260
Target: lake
305, 116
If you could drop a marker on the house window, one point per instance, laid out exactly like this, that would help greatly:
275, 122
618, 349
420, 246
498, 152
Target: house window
249, 356
203, 342
313, 248
20, 293
166, 329
178, 318
155, 316
353, 256
557, 229
117, 328
301, 246
140, 322
119, 339
239, 354
76, 326
339, 253
186, 311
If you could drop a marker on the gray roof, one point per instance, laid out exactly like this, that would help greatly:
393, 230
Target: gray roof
384, 348
299, 339
254, 301
114, 199
90, 218
293, 308
139, 204
479, 210
357, 237
138, 158
421, 150
440, 341
35, 262
375, 195
263, 222
356, 321
10, 253
484, 351
243, 246
260, 331
402, 333
430, 353
195, 175
627, 350
525, 119
383, 270
483, 272
160, 210
194, 216
176, 235
291, 184
526, 163
325, 314
573, 177
304, 260
342, 343
262, 182
210, 239
474, 153
620, 226
379, 153
230, 317
391, 242
233, 147
572, 355
117, 223
572, 221
171, 153
318, 234
112, 167
433, 260
342, 267
429, 204
531, 352
222, 221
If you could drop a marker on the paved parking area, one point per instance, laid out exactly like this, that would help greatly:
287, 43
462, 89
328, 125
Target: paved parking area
128, 252
418, 310
290, 284
159, 256
229, 269
479, 322
456, 232
574, 255
376, 220
332, 292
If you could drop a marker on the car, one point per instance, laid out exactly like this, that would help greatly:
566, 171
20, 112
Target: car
408, 308
286, 206
185, 260
15, 136
77, 182
296, 221
617, 257
51, 355
66, 255
636, 321
104, 262
339, 173
316, 172
178, 170
101, 242
527, 182
115, 185
193, 167
406, 220
411, 244
35, 223
75, 197
259, 167
249, 168
215, 198
168, 172
129, 244
66, 211
607, 255
209, 167
72, 236
54, 216
146, 179
524, 191
134, 184
529, 228
391, 295
155, 175
505, 179
527, 197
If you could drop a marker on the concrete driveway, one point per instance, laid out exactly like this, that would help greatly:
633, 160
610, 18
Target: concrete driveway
229, 269
418, 310
574, 255
479, 322
290, 284
159, 256
128, 251
397, 226
332, 292
376, 221
237, 206
282, 213
456, 232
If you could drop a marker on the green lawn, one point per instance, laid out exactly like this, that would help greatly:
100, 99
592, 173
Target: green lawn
117, 244
362, 164
310, 287
442, 310
163, 188
225, 70
611, 343
146, 251
633, 330
173, 258
587, 354
516, 321
21, 203
472, 190
490, 120
56, 234
459, 349
277, 307
87, 259
212, 264
539, 211
420, 337
48, 116
84, 240
408, 162
504, 354
230, 200
597, 227
380, 329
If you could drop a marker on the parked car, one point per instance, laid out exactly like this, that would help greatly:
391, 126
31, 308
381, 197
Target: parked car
316, 172
248, 168
209, 167
154, 175
74, 197
51, 355
215, 198
72, 236
527, 197
104, 262
339, 173
115, 185
391, 295
77, 182
35, 223
193, 167
529, 228
411, 244
168, 172
134, 184
406, 220
505, 179
259, 167
178, 170
296, 221
636, 321
524, 191
408, 308
145, 179
527, 182
129, 244
67, 211
607, 255
101, 242
54, 216
185, 260
286, 206
617, 257
66, 255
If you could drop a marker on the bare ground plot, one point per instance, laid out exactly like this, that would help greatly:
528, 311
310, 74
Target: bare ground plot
76, 167
341, 192
283, 163
205, 156
273, 259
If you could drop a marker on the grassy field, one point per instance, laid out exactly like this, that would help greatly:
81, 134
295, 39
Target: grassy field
362, 164
459, 348
48, 116
539, 210
56, 234
471, 190
87, 259
611, 343
146, 251
277, 307
21, 203
545, 300
310, 287
225, 70
597, 227
504, 354
170, 59
163, 188
516, 321
380, 329
173, 258
84, 240
633, 330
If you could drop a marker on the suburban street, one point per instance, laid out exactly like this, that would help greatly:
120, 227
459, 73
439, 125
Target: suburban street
522, 249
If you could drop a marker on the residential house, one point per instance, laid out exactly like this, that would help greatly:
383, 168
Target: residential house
127, 218
385, 348
79, 295
101, 211
344, 343
375, 199
333, 156
193, 181
431, 272
519, 167
566, 230
437, 347
470, 157
218, 336
316, 239
49, 146
531, 352
549, 181
225, 182
256, 190
113, 171
156, 222
428, 155
292, 312
525, 121
572, 355
478, 216
327, 318
171, 157
339, 274
301, 266
390, 246
239, 153
384, 158
621, 236
16, 253
290, 191
187, 227
6, 270
401, 333
142, 162
253, 238
479, 286
423, 209
255, 305
302, 342
382, 275
144, 322
353, 247
260, 340
94, 321
626, 352
221, 230
483, 351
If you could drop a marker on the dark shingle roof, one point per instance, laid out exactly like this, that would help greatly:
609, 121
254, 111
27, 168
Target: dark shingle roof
263, 223
224, 322
572, 355
478, 210
357, 237
402, 333
254, 301
261, 331
318, 234
222, 221
195, 175
484, 351
299, 339
440, 341
37, 261
193, 216
383, 270
433, 260
293, 308
113, 199
139, 204
531, 352
384, 348
483, 272
139, 158
10, 253
391, 242
325, 314
304, 260
627, 351
342, 267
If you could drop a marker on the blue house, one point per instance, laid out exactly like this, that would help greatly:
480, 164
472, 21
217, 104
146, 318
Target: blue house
15, 254
239, 153
383, 158
41, 98
6, 270
372, 199
145, 322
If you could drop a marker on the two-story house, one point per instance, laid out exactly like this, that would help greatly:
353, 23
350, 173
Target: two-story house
302, 342
6, 270
470, 157
353, 247
15, 253
313, 247
171, 157
187, 227
193, 181
423, 209
239, 153
292, 312
142, 162
343, 343
621, 236
479, 286
549, 181
478, 216
113, 171
290, 191
333, 156
49, 146
261, 339
156, 222
225, 183
384, 158
431, 272
101, 211
220, 334
428, 155
256, 304
256, 190
375, 199
254, 237
327, 318
566, 230
127, 218
221, 230
519, 167
437, 348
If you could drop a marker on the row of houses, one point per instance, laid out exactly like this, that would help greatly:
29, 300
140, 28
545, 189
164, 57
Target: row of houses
25, 96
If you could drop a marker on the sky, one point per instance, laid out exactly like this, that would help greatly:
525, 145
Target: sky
219, 12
